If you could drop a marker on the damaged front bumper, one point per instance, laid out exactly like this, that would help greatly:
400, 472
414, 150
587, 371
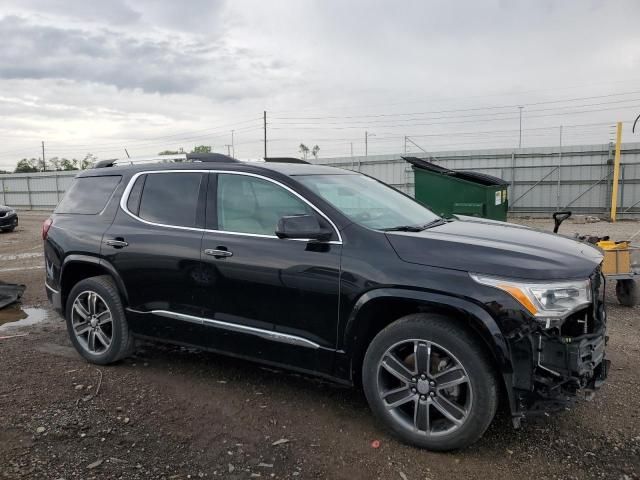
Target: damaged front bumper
552, 366
557, 370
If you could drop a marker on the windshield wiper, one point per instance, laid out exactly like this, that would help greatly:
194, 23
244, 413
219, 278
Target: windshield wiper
403, 228
415, 228
433, 223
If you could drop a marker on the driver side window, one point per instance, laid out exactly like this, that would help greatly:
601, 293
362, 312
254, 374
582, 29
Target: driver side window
247, 204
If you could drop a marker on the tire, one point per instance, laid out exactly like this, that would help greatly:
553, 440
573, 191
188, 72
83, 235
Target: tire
106, 304
627, 292
449, 349
7, 230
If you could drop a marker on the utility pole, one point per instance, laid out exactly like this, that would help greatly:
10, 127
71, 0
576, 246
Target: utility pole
520, 135
125, 151
366, 148
265, 134
228, 149
44, 164
366, 142
233, 148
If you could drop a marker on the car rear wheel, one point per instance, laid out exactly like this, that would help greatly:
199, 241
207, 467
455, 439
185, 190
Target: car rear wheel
430, 383
96, 321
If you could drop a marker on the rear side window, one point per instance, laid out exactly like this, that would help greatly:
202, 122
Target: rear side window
88, 195
170, 198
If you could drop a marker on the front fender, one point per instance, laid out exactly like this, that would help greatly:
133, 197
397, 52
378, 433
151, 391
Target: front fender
474, 315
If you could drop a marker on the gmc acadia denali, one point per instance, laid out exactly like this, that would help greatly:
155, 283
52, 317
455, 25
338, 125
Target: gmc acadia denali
332, 273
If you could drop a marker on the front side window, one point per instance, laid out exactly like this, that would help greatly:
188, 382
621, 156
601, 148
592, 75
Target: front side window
367, 201
170, 198
88, 195
248, 204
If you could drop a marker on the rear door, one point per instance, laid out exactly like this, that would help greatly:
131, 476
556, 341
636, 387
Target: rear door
270, 298
154, 244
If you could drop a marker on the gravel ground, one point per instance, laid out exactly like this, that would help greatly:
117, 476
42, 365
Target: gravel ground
175, 413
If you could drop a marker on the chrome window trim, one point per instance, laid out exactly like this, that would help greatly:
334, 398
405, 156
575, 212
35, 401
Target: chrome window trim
234, 327
125, 198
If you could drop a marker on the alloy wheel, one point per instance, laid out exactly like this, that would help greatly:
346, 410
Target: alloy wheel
424, 387
92, 322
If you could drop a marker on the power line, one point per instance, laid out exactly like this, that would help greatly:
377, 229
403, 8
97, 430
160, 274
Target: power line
489, 107
365, 125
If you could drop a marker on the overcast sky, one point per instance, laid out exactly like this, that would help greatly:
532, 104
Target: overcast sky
99, 76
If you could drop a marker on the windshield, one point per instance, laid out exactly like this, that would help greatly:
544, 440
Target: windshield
369, 202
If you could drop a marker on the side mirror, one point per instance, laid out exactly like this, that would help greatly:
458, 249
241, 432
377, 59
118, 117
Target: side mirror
302, 226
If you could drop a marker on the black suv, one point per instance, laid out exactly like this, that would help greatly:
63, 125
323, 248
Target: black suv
332, 273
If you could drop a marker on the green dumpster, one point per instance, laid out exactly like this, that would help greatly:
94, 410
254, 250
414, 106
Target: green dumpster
448, 192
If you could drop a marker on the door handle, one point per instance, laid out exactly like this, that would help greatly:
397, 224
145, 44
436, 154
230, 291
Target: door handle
117, 243
218, 253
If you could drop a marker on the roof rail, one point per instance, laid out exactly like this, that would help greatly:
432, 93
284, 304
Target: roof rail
285, 160
177, 158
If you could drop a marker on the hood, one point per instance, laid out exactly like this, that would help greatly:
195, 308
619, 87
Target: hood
4, 208
497, 248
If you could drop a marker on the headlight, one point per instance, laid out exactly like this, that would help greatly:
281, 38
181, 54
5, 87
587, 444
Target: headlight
11, 212
548, 302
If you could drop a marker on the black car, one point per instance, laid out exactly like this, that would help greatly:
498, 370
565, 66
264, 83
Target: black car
335, 274
8, 219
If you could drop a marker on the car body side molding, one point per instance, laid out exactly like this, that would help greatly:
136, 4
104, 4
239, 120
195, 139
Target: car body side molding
234, 327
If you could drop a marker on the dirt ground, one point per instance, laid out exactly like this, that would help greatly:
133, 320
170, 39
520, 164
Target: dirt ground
175, 413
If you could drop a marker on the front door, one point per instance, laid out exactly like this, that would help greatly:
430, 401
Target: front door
270, 298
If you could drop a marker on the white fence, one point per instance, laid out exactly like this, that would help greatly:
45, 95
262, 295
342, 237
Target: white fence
541, 180
34, 191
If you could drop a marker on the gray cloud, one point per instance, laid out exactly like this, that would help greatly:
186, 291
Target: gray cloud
78, 71
168, 64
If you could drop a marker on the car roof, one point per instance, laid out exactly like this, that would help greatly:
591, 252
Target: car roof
289, 169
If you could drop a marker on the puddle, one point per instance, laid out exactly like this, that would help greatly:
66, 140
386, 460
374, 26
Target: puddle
14, 316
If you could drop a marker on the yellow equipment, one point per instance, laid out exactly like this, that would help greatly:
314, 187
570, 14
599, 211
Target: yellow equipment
617, 257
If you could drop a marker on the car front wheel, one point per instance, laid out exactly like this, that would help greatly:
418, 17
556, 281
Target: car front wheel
430, 383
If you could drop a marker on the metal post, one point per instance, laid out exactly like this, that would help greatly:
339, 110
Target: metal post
405, 144
4, 200
513, 176
559, 171
29, 193
616, 173
44, 163
233, 148
58, 190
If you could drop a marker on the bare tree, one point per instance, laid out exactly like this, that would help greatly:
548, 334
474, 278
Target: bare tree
314, 151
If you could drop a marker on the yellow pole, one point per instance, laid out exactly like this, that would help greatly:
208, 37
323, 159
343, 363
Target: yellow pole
616, 173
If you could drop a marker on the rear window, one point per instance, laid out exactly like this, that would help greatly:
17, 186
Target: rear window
170, 198
88, 195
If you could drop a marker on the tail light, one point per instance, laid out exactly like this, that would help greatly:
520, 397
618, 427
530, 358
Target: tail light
45, 227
